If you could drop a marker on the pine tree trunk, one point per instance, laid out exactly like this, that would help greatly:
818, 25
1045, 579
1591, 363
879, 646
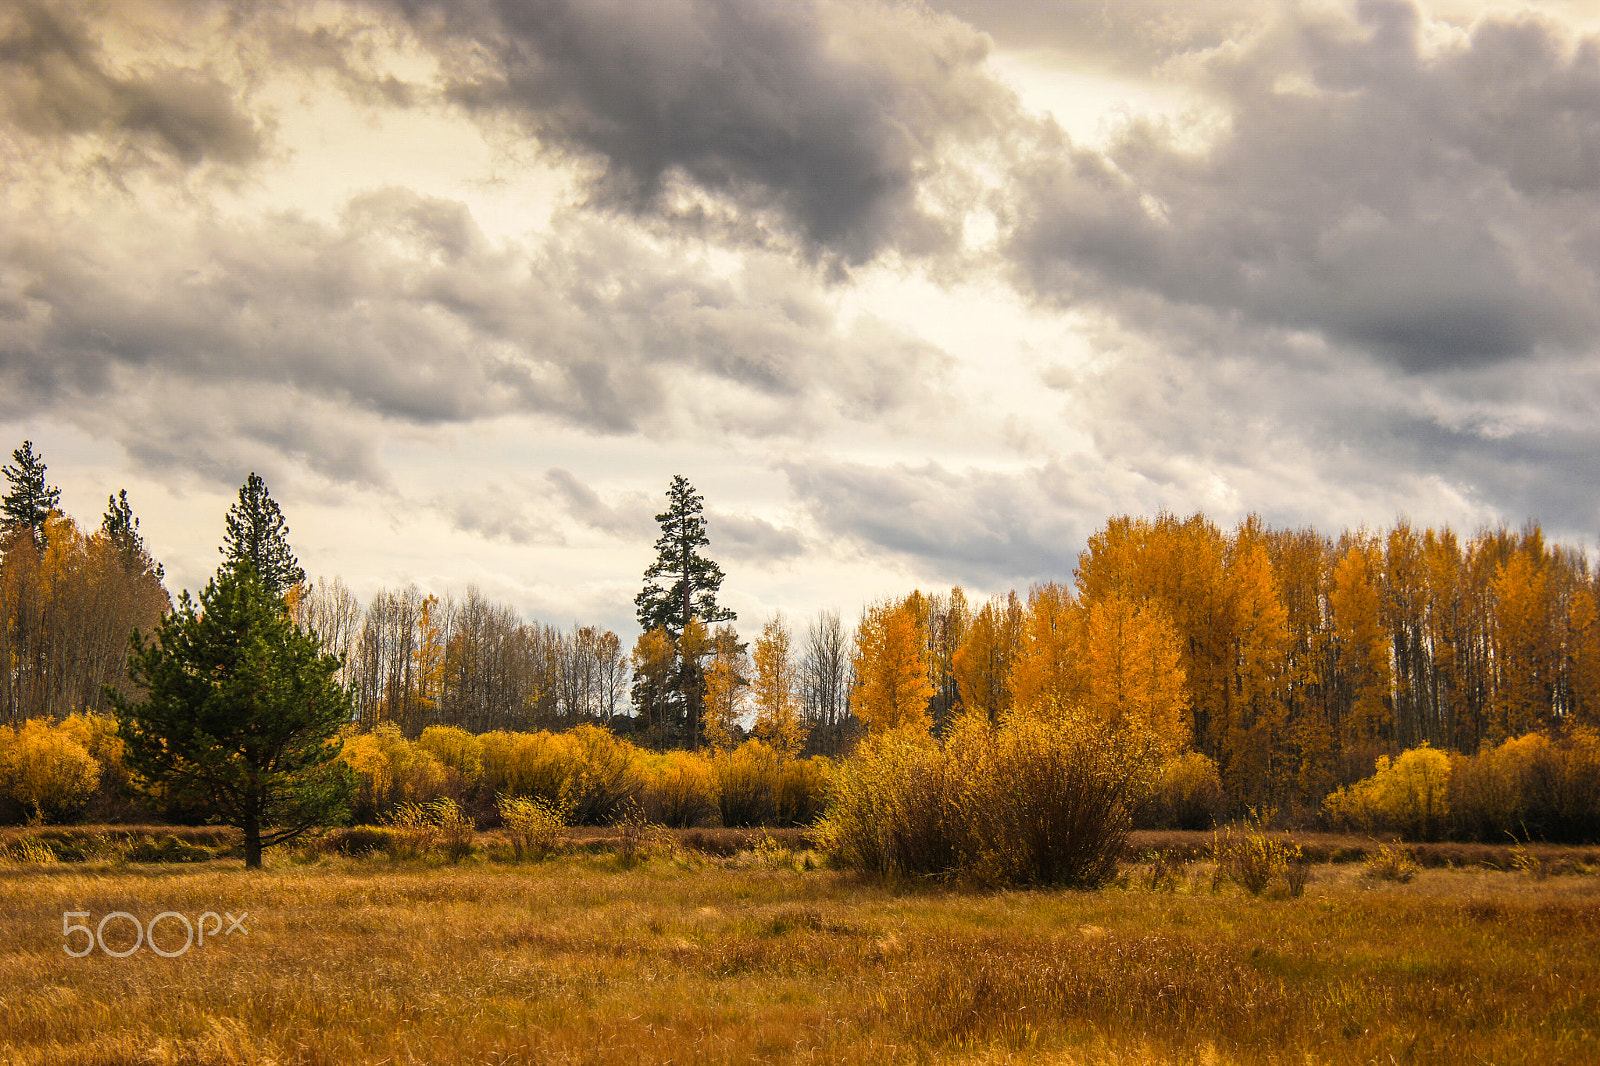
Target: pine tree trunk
252, 841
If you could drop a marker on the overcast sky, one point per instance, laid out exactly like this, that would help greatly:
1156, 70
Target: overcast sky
914, 295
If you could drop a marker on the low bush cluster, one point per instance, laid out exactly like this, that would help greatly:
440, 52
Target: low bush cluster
1253, 859
533, 825
51, 772
1527, 788
56, 772
1187, 794
1029, 802
1530, 788
587, 774
1409, 795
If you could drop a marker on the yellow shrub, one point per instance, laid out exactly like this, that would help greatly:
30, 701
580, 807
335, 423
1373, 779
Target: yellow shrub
1531, 787
587, 770
889, 811
680, 790
801, 792
1252, 858
390, 770
457, 750
533, 825
524, 764
46, 771
1188, 794
98, 735
1031, 802
604, 777
747, 784
1409, 795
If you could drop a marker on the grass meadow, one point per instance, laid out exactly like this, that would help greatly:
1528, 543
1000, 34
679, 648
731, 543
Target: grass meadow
601, 955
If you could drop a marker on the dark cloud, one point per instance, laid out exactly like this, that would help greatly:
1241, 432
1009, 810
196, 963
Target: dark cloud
820, 118
55, 82
405, 310
985, 528
746, 538
1429, 204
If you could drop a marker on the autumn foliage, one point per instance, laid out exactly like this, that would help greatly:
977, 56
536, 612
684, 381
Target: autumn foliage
1289, 659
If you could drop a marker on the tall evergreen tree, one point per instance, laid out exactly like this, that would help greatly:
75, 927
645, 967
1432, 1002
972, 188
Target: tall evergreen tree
691, 581
29, 500
680, 598
257, 535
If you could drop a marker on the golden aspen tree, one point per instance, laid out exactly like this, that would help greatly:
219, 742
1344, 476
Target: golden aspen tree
1361, 642
1186, 560
891, 666
1447, 635
727, 678
1046, 681
1583, 654
1133, 681
694, 647
1301, 562
776, 691
1481, 561
945, 626
1406, 605
655, 661
1110, 564
1522, 640
427, 675
1255, 718
982, 665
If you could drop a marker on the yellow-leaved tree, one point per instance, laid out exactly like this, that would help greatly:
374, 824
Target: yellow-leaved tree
1361, 641
1046, 681
1583, 654
1255, 719
1523, 641
777, 691
984, 662
1132, 671
726, 679
891, 665
655, 663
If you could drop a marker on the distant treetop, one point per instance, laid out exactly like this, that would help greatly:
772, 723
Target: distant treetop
29, 500
681, 583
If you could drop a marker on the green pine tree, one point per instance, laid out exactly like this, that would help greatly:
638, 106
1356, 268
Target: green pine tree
29, 501
239, 714
680, 586
258, 536
691, 580
122, 529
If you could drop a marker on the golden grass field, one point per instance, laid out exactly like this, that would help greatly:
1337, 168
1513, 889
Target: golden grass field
690, 958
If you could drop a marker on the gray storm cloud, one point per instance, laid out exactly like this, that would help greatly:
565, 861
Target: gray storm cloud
827, 117
1370, 277
405, 310
1429, 205
55, 81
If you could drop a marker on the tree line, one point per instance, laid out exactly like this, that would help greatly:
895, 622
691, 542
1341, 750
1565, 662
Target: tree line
1289, 657
69, 598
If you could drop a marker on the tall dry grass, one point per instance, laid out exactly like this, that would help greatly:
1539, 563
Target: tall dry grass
579, 960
